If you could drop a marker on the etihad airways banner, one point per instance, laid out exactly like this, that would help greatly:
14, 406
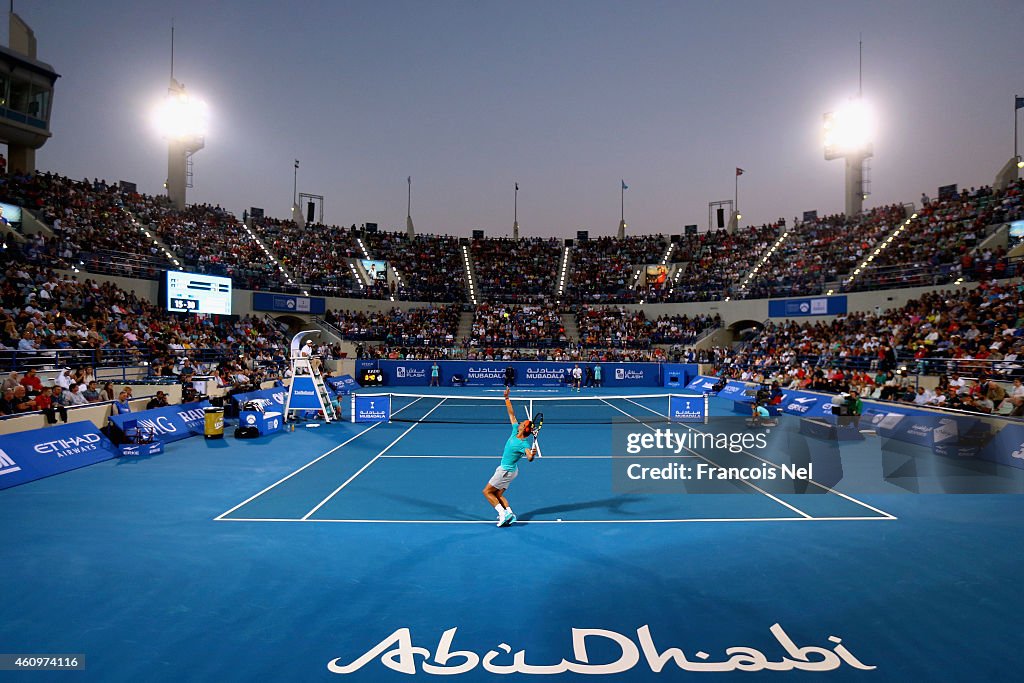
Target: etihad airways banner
528, 373
38, 453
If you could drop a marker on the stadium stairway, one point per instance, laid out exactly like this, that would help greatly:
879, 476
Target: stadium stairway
883, 242
254, 232
572, 332
465, 326
30, 225
470, 272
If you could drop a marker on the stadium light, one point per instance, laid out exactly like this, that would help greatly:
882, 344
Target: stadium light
850, 129
181, 117
1020, 162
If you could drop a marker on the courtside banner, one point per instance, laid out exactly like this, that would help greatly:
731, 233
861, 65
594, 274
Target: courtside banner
1007, 447
31, 455
799, 403
274, 396
528, 373
702, 383
373, 408
344, 384
172, 423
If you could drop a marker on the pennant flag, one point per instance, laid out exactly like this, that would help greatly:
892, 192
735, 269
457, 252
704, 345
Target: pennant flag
624, 185
296, 163
517, 187
739, 171
410, 180
1019, 103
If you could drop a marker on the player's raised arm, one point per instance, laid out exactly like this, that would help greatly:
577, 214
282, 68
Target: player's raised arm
508, 406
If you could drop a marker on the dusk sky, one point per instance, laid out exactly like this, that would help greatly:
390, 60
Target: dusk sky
566, 98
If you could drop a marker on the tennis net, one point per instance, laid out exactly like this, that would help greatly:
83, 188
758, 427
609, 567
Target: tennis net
463, 409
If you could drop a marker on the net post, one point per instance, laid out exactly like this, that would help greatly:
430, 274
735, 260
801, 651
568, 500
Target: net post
707, 409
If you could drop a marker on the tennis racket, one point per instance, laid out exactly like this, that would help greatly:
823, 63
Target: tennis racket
538, 422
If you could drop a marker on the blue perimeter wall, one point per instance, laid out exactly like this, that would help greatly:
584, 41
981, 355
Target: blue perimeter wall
528, 373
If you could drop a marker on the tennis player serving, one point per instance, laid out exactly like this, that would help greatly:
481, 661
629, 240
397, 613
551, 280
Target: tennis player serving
516, 448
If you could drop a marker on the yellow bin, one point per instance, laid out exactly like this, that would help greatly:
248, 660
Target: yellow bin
214, 423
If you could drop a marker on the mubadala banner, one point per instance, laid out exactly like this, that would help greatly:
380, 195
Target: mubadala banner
31, 455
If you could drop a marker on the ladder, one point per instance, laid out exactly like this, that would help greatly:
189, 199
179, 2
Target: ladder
308, 391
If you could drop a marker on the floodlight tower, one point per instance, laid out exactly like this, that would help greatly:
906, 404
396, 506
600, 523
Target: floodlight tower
848, 134
181, 120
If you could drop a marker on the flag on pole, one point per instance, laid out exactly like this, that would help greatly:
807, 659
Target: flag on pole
1019, 104
409, 180
517, 187
624, 185
739, 171
296, 163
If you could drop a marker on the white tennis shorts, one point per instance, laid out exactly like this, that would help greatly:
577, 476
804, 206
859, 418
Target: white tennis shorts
502, 478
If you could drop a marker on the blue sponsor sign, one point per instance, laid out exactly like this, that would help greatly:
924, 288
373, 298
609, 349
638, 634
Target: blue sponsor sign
734, 389
287, 303
272, 398
687, 408
803, 404
528, 373
795, 308
304, 394
266, 423
168, 424
343, 385
371, 408
702, 383
678, 374
141, 450
38, 453
1006, 447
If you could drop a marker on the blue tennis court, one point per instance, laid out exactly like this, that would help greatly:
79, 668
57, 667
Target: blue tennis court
367, 552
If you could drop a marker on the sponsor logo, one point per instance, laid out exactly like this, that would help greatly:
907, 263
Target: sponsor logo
627, 374
544, 373
69, 446
250, 419
400, 371
303, 392
7, 466
805, 308
367, 410
485, 373
398, 653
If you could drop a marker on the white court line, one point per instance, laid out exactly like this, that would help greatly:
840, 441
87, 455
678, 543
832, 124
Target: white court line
311, 462
779, 467
547, 457
709, 460
872, 518
363, 468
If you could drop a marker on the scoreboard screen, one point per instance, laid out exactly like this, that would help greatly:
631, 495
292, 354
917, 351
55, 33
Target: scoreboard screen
198, 293
370, 377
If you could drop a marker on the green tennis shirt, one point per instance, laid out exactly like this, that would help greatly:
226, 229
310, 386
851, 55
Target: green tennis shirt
515, 449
